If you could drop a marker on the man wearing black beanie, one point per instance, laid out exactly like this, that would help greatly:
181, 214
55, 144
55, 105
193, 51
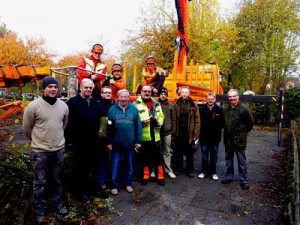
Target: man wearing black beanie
168, 129
44, 121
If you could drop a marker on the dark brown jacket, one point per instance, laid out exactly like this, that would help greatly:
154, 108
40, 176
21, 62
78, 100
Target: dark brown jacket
193, 118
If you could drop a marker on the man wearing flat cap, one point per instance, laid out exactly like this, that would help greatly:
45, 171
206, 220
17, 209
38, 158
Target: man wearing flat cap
44, 121
94, 69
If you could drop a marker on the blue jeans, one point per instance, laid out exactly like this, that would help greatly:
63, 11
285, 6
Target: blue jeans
209, 158
121, 157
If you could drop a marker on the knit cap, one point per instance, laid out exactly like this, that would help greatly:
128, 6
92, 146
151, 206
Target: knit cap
48, 80
163, 90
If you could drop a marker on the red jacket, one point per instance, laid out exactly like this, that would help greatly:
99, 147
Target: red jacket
84, 74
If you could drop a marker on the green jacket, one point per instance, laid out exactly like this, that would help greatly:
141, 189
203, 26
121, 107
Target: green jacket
238, 122
144, 115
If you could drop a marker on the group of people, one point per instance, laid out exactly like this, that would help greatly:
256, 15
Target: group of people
105, 135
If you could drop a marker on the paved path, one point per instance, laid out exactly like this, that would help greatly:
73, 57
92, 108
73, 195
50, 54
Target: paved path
205, 201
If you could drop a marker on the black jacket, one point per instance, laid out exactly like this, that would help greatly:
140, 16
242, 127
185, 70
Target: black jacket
84, 121
212, 122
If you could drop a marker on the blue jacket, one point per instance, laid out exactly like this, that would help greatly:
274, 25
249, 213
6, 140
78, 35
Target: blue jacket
124, 126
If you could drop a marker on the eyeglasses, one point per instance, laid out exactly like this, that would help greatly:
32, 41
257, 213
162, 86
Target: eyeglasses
106, 92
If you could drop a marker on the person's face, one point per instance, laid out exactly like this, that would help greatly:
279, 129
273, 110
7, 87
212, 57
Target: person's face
233, 98
150, 66
146, 92
117, 73
185, 93
51, 90
163, 96
86, 90
97, 55
210, 100
123, 99
106, 93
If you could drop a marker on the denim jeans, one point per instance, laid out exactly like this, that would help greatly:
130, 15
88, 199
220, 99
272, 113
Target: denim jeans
47, 168
119, 158
209, 158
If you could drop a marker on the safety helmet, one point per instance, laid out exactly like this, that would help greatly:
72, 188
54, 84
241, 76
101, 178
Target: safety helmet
116, 66
97, 48
150, 59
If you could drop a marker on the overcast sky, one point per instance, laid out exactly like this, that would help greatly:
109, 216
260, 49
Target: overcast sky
69, 26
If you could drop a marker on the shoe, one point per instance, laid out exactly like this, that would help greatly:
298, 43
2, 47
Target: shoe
227, 181
129, 189
144, 182
152, 174
190, 175
61, 210
161, 182
102, 194
102, 187
215, 177
177, 172
245, 186
114, 191
201, 175
172, 175
41, 218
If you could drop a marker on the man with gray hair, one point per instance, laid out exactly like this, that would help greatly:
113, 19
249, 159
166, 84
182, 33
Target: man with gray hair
124, 135
238, 121
82, 133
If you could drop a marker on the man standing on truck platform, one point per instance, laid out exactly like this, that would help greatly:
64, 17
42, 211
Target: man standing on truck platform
44, 121
153, 76
97, 70
116, 82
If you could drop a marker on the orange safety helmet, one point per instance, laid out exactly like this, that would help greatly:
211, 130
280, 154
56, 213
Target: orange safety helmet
116, 66
97, 48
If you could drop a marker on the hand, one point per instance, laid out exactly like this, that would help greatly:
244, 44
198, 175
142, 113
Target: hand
145, 122
101, 134
153, 75
109, 147
137, 147
155, 90
93, 77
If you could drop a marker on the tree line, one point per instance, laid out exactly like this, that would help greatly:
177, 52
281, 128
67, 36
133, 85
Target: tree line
257, 44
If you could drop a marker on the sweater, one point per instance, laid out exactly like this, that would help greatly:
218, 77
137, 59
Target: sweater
125, 129
44, 124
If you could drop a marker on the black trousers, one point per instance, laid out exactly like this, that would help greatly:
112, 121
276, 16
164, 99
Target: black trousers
46, 182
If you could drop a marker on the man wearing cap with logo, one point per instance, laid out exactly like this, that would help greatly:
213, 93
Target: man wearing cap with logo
44, 121
97, 70
168, 129
116, 82
153, 75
